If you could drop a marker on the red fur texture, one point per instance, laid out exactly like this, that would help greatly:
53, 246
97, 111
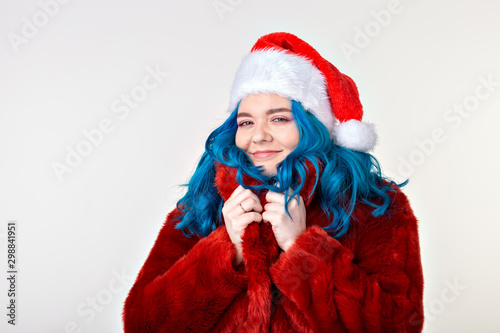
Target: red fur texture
370, 280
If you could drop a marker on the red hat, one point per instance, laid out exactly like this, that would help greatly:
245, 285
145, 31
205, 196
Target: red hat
283, 64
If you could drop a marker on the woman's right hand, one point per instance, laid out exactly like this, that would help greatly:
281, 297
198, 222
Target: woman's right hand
242, 208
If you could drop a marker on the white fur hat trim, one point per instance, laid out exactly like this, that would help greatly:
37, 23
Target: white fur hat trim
287, 75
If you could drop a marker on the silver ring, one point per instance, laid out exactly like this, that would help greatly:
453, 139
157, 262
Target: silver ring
243, 209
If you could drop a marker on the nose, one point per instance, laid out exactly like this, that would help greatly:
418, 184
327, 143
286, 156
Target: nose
261, 133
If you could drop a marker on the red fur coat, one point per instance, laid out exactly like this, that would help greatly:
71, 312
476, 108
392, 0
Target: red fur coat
370, 280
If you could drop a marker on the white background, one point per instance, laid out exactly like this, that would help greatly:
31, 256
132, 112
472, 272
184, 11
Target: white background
78, 233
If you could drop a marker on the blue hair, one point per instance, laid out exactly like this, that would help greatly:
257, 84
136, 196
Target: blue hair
343, 177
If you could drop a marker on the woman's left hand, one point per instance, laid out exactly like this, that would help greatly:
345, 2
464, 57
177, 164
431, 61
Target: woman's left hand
285, 229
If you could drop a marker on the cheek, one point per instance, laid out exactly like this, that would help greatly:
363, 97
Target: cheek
291, 140
240, 141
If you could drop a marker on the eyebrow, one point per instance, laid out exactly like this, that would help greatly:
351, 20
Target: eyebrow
268, 112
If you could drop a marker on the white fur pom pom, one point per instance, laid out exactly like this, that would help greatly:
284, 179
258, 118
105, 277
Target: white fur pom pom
355, 135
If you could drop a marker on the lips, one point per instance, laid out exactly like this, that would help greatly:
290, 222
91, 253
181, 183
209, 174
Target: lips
264, 154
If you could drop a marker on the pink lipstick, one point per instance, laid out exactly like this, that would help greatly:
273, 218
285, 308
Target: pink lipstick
263, 154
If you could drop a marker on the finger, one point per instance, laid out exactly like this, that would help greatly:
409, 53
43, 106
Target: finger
250, 217
244, 195
239, 195
299, 199
290, 192
275, 197
237, 191
271, 217
294, 203
251, 204
274, 207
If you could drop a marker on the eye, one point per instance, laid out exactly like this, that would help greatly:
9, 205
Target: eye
280, 119
244, 123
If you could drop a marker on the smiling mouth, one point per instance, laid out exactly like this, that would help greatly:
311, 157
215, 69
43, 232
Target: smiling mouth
263, 154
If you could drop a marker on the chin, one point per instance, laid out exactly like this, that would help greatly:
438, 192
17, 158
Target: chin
268, 172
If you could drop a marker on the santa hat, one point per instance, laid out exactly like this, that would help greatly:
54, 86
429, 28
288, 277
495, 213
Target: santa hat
283, 64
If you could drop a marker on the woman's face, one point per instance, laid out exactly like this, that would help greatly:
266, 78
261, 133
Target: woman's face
266, 130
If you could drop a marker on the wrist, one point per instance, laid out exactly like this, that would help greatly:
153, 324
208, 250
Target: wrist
237, 259
287, 245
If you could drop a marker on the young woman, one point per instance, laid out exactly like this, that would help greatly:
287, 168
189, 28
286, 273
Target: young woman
287, 224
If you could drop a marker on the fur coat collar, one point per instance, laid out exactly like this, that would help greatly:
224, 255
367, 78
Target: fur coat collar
260, 249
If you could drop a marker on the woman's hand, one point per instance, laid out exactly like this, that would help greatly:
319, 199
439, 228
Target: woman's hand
242, 208
285, 229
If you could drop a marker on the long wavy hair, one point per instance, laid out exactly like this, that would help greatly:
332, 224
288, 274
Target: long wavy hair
343, 177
